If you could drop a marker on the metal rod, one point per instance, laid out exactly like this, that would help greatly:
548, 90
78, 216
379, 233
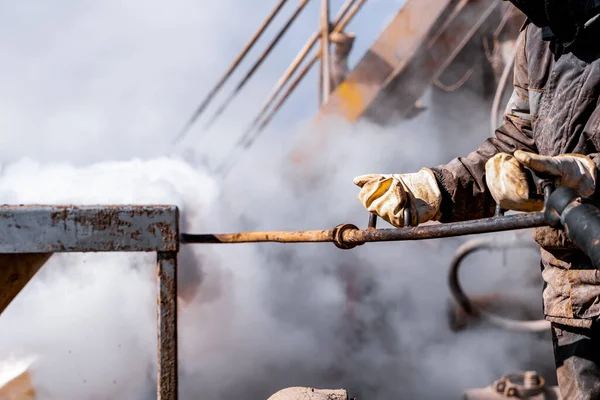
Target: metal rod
167, 326
258, 63
340, 27
348, 236
325, 63
294, 67
255, 129
465, 302
229, 71
228, 165
282, 101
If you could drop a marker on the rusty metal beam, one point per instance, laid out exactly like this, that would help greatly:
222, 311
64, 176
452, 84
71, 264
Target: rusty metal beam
414, 49
419, 43
391, 52
408, 83
30, 234
167, 326
58, 229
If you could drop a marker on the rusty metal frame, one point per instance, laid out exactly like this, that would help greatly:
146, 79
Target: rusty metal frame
414, 49
30, 234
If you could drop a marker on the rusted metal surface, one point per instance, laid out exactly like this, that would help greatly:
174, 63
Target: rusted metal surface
409, 81
167, 326
414, 49
16, 270
348, 236
55, 229
30, 234
392, 51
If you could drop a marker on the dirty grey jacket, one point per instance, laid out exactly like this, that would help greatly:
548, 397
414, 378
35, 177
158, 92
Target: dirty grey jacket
554, 109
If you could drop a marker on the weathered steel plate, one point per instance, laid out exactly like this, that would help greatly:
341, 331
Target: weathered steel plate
56, 229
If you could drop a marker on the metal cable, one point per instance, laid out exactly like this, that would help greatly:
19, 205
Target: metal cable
229, 72
258, 125
257, 64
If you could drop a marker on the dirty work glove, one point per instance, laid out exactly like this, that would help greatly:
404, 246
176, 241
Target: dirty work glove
511, 185
386, 195
572, 170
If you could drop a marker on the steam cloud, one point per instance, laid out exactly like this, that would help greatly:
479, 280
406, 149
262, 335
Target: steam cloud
92, 95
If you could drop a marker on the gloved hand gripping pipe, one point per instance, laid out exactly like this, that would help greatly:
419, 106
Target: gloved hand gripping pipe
348, 236
565, 209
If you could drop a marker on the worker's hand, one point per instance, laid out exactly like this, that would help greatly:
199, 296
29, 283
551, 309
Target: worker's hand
572, 170
386, 195
511, 185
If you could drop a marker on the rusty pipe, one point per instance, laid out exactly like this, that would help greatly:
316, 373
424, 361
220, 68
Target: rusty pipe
258, 63
229, 71
348, 236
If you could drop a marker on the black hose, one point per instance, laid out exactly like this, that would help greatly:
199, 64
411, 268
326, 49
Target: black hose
465, 303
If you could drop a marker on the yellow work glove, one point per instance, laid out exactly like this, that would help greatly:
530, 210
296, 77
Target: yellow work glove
510, 185
386, 196
572, 170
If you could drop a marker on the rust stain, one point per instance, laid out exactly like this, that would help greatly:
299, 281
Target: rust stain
167, 335
351, 100
169, 235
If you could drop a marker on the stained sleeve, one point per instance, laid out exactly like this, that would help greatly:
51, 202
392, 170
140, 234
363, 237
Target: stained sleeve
462, 181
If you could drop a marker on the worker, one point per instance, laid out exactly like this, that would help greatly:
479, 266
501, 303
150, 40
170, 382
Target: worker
551, 128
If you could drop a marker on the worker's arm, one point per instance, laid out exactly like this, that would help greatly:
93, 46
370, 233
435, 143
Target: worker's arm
462, 181
455, 191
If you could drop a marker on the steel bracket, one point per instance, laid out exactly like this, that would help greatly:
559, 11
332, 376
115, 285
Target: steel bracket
30, 234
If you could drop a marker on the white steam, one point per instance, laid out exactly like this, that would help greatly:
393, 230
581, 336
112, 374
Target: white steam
92, 95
